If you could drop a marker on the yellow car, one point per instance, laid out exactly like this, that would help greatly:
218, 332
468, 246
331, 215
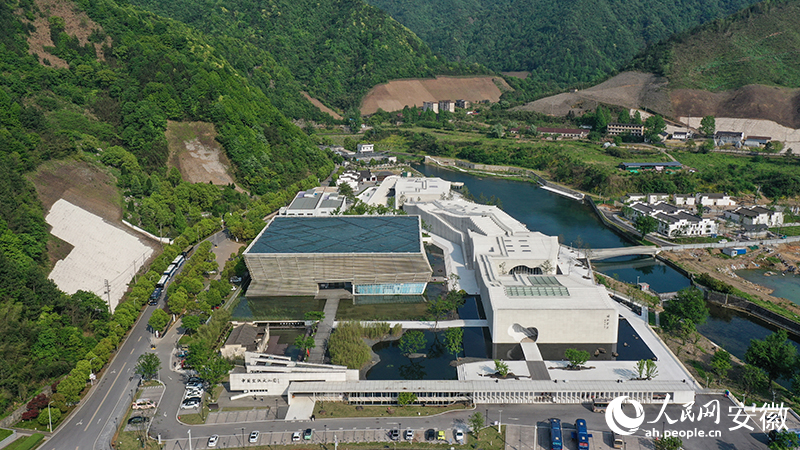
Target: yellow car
441, 435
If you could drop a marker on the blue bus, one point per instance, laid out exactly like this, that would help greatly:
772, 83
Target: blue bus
581, 434
556, 441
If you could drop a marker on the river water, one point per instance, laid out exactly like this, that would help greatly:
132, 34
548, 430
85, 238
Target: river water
554, 215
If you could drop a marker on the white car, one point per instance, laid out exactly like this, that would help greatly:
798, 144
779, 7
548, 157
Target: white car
254, 437
460, 436
212, 441
295, 436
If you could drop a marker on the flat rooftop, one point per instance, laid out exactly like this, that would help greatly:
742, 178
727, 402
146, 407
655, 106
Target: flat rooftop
340, 234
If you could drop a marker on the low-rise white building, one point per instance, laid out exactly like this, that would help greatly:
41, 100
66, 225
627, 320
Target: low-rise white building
433, 106
684, 200
319, 201
265, 374
365, 148
757, 215
533, 290
673, 221
419, 189
714, 200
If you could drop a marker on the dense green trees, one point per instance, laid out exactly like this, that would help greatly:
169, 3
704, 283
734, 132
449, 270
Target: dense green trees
688, 307
775, 355
335, 50
561, 43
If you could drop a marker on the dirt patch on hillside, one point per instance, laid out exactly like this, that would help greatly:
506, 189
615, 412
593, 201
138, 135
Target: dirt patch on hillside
87, 186
522, 75
781, 105
194, 150
628, 89
395, 95
77, 24
321, 107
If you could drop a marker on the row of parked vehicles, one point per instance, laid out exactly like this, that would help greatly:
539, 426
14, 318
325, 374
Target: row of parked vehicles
193, 395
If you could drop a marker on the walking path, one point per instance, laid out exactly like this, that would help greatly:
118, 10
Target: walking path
324, 331
430, 324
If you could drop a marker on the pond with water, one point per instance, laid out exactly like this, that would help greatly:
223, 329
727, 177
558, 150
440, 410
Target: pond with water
435, 365
785, 286
645, 269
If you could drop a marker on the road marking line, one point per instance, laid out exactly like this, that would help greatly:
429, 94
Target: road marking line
104, 398
140, 338
133, 350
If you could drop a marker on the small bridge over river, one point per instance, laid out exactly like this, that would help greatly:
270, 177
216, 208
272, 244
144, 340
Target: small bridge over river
605, 253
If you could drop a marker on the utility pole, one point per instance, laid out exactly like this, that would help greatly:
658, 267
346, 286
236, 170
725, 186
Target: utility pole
190, 439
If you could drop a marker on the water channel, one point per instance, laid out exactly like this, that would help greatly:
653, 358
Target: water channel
554, 215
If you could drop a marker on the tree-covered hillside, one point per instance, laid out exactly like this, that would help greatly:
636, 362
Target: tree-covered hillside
337, 49
560, 43
106, 79
758, 45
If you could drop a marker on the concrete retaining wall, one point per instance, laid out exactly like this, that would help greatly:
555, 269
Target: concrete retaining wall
732, 301
16, 416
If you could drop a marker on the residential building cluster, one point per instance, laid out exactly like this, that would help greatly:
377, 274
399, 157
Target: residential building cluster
445, 105
738, 139
673, 221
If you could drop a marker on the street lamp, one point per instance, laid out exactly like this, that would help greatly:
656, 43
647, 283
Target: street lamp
243, 442
190, 439
500, 422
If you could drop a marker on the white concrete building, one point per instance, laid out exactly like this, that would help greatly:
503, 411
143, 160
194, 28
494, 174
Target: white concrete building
419, 189
319, 201
673, 221
683, 200
434, 106
757, 215
714, 200
365, 148
265, 374
533, 291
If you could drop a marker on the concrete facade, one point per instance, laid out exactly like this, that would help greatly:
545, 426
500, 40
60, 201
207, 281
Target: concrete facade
265, 374
375, 255
319, 201
531, 289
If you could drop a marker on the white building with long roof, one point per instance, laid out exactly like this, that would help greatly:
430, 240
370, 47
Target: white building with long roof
532, 290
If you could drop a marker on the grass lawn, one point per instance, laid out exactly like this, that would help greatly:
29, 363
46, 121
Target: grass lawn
194, 418
339, 409
130, 440
5, 433
788, 231
26, 442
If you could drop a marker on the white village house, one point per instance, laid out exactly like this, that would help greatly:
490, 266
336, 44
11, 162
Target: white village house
757, 215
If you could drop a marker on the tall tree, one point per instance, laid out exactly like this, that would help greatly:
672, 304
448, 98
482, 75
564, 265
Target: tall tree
688, 305
412, 341
708, 125
645, 225
454, 340
148, 365
775, 355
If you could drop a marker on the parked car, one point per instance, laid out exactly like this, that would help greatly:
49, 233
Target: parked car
193, 379
192, 393
409, 435
430, 434
143, 404
442, 436
212, 441
308, 434
193, 402
235, 279
459, 436
394, 434
295, 436
254, 437
135, 420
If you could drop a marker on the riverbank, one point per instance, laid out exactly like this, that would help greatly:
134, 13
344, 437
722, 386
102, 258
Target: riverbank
723, 268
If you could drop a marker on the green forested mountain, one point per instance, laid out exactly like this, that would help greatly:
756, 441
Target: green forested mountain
758, 45
110, 105
562, 43
337, 49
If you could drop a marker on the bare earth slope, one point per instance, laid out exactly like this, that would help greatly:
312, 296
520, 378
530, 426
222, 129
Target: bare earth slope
395, 95
647, 91
194, 150
628, 89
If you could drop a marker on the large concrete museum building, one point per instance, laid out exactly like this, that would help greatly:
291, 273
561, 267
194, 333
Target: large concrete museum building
374, 256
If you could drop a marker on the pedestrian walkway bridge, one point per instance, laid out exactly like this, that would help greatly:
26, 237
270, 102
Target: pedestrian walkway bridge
603, 253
